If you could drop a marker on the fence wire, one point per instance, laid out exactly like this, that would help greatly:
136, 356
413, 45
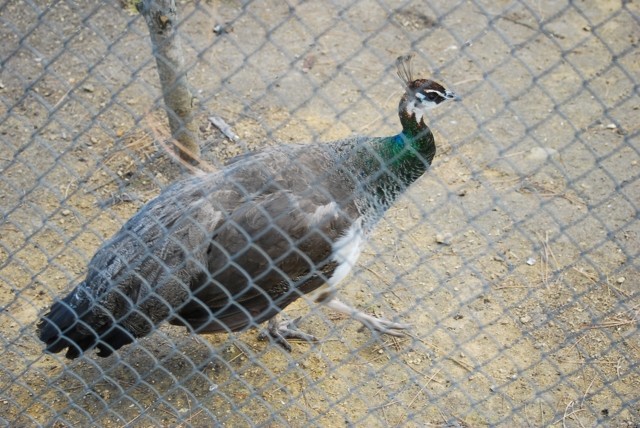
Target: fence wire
514, 259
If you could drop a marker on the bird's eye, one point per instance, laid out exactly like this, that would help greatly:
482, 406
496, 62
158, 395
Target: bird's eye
431, 96
428, 96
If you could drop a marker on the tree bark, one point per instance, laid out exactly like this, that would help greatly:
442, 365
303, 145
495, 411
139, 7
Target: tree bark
161, 17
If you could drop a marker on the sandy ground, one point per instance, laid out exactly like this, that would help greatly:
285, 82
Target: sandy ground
515, 258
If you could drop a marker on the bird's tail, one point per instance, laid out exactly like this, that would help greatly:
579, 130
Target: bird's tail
79, 323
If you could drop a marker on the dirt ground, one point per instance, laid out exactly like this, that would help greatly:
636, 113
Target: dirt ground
515, 258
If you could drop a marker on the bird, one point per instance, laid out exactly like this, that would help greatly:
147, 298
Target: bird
228, 250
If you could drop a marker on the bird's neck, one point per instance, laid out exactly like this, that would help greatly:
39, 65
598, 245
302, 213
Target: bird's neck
409, 153
404, 157
416, 136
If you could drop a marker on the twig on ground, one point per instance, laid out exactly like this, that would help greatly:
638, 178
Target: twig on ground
568, 415
225, 128
423, 387
464, 365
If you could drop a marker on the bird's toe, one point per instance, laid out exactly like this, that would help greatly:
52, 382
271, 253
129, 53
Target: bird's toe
280, 331
384, 326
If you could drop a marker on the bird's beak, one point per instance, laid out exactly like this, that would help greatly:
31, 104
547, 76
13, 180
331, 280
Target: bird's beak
452, 96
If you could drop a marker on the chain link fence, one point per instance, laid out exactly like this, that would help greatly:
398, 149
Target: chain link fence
514, 259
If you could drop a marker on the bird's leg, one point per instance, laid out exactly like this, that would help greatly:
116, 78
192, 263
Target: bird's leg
280, 331
376, 324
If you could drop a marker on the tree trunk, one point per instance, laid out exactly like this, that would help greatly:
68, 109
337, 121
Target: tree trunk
161, 17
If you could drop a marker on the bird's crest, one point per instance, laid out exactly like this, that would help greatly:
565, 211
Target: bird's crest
403, 63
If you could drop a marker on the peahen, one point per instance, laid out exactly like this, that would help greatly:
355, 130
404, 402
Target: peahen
229, 250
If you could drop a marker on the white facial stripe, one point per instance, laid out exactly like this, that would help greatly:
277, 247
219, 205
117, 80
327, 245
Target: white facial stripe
435, 91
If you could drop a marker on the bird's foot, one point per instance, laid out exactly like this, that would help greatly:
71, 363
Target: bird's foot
381, 325
280, 331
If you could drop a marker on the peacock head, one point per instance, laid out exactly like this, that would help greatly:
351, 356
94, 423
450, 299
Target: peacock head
421, 94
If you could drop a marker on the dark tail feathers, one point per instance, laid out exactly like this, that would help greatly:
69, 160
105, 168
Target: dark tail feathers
80, 329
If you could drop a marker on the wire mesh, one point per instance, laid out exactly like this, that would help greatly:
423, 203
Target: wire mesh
514, 259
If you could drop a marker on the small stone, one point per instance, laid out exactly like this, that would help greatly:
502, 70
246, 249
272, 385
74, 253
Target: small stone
525, 319
222, 29
308, 63
213, 387
444, 238
621, 280
541, 153
611, 126
531, 261
66, 212
88, 88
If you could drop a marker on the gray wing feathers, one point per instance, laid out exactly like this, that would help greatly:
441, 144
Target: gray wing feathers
146, 269
265, 255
